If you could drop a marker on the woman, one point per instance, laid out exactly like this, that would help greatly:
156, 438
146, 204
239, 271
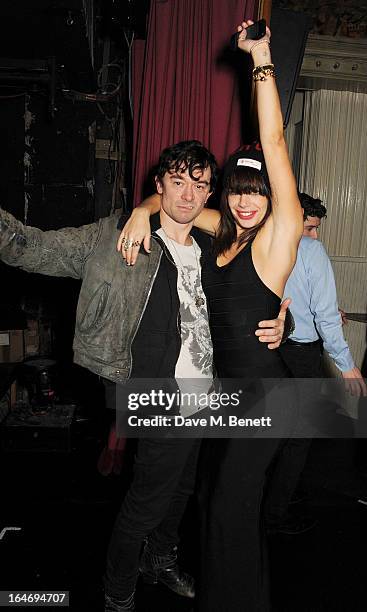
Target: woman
256, 239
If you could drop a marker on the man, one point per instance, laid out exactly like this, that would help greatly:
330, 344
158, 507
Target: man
318, 325
144, 321
314, 306
313, 212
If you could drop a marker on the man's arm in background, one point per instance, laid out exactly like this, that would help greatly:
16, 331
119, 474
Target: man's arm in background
324, 307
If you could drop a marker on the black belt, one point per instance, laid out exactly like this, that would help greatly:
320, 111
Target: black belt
295, 343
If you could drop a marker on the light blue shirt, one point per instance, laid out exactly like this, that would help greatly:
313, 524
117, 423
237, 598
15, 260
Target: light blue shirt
314, 302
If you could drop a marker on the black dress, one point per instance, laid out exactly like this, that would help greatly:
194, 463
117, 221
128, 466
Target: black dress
233, 474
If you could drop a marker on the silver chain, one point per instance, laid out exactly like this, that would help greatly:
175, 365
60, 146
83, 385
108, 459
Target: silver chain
198, 299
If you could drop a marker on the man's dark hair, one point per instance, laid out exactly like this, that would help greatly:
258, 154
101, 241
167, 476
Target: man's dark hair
188, 155
312, 207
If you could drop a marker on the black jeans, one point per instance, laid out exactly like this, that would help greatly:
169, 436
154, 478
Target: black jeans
164, 478
303, 362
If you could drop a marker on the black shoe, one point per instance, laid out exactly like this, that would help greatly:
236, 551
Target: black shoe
293, 525
111, 604
165, 570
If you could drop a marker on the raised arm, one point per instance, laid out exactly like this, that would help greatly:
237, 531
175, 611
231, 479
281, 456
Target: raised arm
54, 253
287, 211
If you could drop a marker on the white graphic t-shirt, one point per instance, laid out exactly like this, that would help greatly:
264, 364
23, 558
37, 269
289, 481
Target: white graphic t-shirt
195, 360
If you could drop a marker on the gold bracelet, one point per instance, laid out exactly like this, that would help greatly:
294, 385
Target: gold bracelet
260, 73
260, 42
262, 67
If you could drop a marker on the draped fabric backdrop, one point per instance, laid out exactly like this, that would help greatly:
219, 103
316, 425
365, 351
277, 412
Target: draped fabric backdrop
333, 167
181, 89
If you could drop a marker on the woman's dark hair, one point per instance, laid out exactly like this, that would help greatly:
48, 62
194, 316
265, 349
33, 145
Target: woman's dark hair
243, 179
188, 155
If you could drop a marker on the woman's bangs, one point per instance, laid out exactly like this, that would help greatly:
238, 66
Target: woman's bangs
246, 180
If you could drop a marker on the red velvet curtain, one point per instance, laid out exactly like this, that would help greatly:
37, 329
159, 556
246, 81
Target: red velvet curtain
181, 89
